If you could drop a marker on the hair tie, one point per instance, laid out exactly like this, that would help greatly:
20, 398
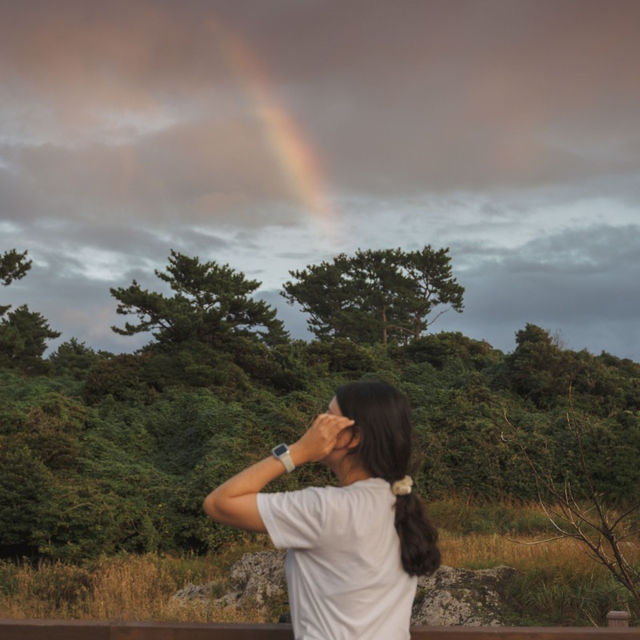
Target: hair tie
402, 487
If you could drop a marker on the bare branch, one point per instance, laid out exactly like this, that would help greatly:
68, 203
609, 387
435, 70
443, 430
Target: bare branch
624, 514
535, 542
438, 315
589, 522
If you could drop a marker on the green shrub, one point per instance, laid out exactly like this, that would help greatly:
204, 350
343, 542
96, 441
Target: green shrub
461, 516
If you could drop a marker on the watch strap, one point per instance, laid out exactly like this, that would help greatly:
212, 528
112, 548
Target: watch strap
281, 452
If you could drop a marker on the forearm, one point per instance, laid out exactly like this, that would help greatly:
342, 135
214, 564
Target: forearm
254, 478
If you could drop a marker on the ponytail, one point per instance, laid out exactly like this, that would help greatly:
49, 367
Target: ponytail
418, 537
381, 414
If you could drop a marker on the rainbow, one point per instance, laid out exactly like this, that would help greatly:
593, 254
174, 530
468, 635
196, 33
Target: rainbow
283, 135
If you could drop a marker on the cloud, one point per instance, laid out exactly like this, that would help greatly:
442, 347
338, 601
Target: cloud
417, 96
73, 304
576, 281
197, 172
580, 283
507, 130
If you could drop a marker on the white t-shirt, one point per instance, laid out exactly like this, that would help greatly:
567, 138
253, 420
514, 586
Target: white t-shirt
344, 573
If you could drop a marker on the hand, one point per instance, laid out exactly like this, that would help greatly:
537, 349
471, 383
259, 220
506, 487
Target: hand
321, 437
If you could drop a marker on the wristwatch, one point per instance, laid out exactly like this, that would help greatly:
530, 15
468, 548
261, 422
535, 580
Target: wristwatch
282, 453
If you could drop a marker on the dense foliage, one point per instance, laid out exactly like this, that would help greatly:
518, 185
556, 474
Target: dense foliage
101, 453
386, 295
23, 333
13, 266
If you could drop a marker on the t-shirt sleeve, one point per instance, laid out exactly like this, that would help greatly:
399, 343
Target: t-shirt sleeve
294, 519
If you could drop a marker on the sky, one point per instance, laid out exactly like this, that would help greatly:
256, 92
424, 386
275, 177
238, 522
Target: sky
274, 134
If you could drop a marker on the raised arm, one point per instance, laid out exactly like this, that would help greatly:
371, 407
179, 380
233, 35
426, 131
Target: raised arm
235, 502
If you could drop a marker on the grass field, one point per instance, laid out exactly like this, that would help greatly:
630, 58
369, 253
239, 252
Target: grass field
557, 583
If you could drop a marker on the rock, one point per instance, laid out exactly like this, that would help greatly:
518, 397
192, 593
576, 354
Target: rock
448, 597
194, 592
257, 578
461, 597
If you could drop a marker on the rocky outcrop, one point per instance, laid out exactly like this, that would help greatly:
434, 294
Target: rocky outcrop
462, 597
254, 581
448, 597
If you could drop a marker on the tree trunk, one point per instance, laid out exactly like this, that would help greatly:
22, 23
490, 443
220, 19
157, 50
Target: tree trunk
384, 324
417, 329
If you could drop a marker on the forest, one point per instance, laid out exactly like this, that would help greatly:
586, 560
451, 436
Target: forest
106, 453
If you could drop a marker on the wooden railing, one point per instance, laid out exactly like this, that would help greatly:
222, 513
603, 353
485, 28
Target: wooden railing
81, 630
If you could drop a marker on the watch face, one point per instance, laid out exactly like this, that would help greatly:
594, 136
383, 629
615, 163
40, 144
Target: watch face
280, 450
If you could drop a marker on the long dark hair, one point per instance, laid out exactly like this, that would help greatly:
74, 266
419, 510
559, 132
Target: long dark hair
381, 415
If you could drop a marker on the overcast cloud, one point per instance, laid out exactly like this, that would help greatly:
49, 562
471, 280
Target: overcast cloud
508, 130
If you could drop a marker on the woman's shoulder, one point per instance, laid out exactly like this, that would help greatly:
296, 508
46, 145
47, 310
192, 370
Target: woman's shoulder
351, 499
359, 494
368, 485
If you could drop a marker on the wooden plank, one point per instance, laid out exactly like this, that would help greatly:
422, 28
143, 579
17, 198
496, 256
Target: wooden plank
522, 633
194, 631
87, 630
54, 630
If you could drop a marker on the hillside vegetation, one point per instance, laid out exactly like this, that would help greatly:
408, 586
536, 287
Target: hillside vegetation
105, 454
115, 453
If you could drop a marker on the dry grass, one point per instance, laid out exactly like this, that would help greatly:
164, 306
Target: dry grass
140, 587
129, 587
522, 552
557, 583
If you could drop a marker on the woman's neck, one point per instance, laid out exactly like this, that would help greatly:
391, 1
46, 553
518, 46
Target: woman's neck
350, 475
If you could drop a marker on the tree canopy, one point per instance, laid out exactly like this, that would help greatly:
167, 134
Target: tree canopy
211, 304
384, 295
23, 333
23, 336
13, 266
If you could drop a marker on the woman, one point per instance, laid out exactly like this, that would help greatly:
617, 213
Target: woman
354, 551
